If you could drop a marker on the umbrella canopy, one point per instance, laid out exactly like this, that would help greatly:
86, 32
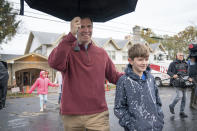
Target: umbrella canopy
97, 10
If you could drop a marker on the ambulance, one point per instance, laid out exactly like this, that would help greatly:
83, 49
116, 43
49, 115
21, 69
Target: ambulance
159, 64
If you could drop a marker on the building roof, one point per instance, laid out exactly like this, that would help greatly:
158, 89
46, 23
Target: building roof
6, 57
52, 39
45, 37
121, 43
23, 56
156, 46
100, 41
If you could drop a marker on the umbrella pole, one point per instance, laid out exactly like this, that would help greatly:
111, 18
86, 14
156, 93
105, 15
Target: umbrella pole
77, 48
22, 7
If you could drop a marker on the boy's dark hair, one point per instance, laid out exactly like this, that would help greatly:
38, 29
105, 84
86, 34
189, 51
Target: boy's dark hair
138, 50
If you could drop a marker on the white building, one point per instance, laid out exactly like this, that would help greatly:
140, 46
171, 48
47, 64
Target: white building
44, 42
40, 45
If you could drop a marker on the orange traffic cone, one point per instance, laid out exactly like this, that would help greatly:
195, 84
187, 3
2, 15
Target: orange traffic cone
107, 88
27, 89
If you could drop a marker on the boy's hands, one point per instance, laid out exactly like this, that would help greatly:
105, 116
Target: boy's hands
75, 25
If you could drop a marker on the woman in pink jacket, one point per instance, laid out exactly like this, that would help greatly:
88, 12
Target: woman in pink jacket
42, 84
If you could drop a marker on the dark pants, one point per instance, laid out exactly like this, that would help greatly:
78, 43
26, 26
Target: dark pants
178, 97
59, 100
193, 97
3, 90
60, 95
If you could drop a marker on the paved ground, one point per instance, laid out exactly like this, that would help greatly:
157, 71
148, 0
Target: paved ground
22, 114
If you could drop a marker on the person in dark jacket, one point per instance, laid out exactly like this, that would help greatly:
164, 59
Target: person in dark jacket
137, 101
193, 74
178, 67
84, 67
3, 83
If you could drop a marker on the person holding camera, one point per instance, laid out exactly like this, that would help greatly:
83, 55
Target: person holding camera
178, 68
193, 74
3, 83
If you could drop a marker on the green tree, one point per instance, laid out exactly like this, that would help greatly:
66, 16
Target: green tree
168, 45
8, 22
186, 37
148, 35
180, 41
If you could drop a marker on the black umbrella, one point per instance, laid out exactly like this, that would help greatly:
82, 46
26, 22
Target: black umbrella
98, 10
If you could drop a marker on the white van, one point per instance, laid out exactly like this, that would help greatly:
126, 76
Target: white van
159, 64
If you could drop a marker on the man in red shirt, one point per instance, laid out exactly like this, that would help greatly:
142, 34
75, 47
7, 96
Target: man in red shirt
84, 68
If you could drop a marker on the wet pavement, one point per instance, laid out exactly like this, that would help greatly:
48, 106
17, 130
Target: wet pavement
22, 114
174, 122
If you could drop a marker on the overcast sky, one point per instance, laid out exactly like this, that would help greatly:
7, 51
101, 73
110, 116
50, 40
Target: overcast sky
162, 16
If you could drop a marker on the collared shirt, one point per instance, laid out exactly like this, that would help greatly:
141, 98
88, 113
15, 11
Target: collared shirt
143, 77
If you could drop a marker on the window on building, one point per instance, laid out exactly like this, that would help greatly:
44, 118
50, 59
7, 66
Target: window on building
167, 57
125, 56
38, 51
155, 57
112, 54
161, 57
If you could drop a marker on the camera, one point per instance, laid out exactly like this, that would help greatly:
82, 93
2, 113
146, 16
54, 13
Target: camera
182, 82
193, 50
